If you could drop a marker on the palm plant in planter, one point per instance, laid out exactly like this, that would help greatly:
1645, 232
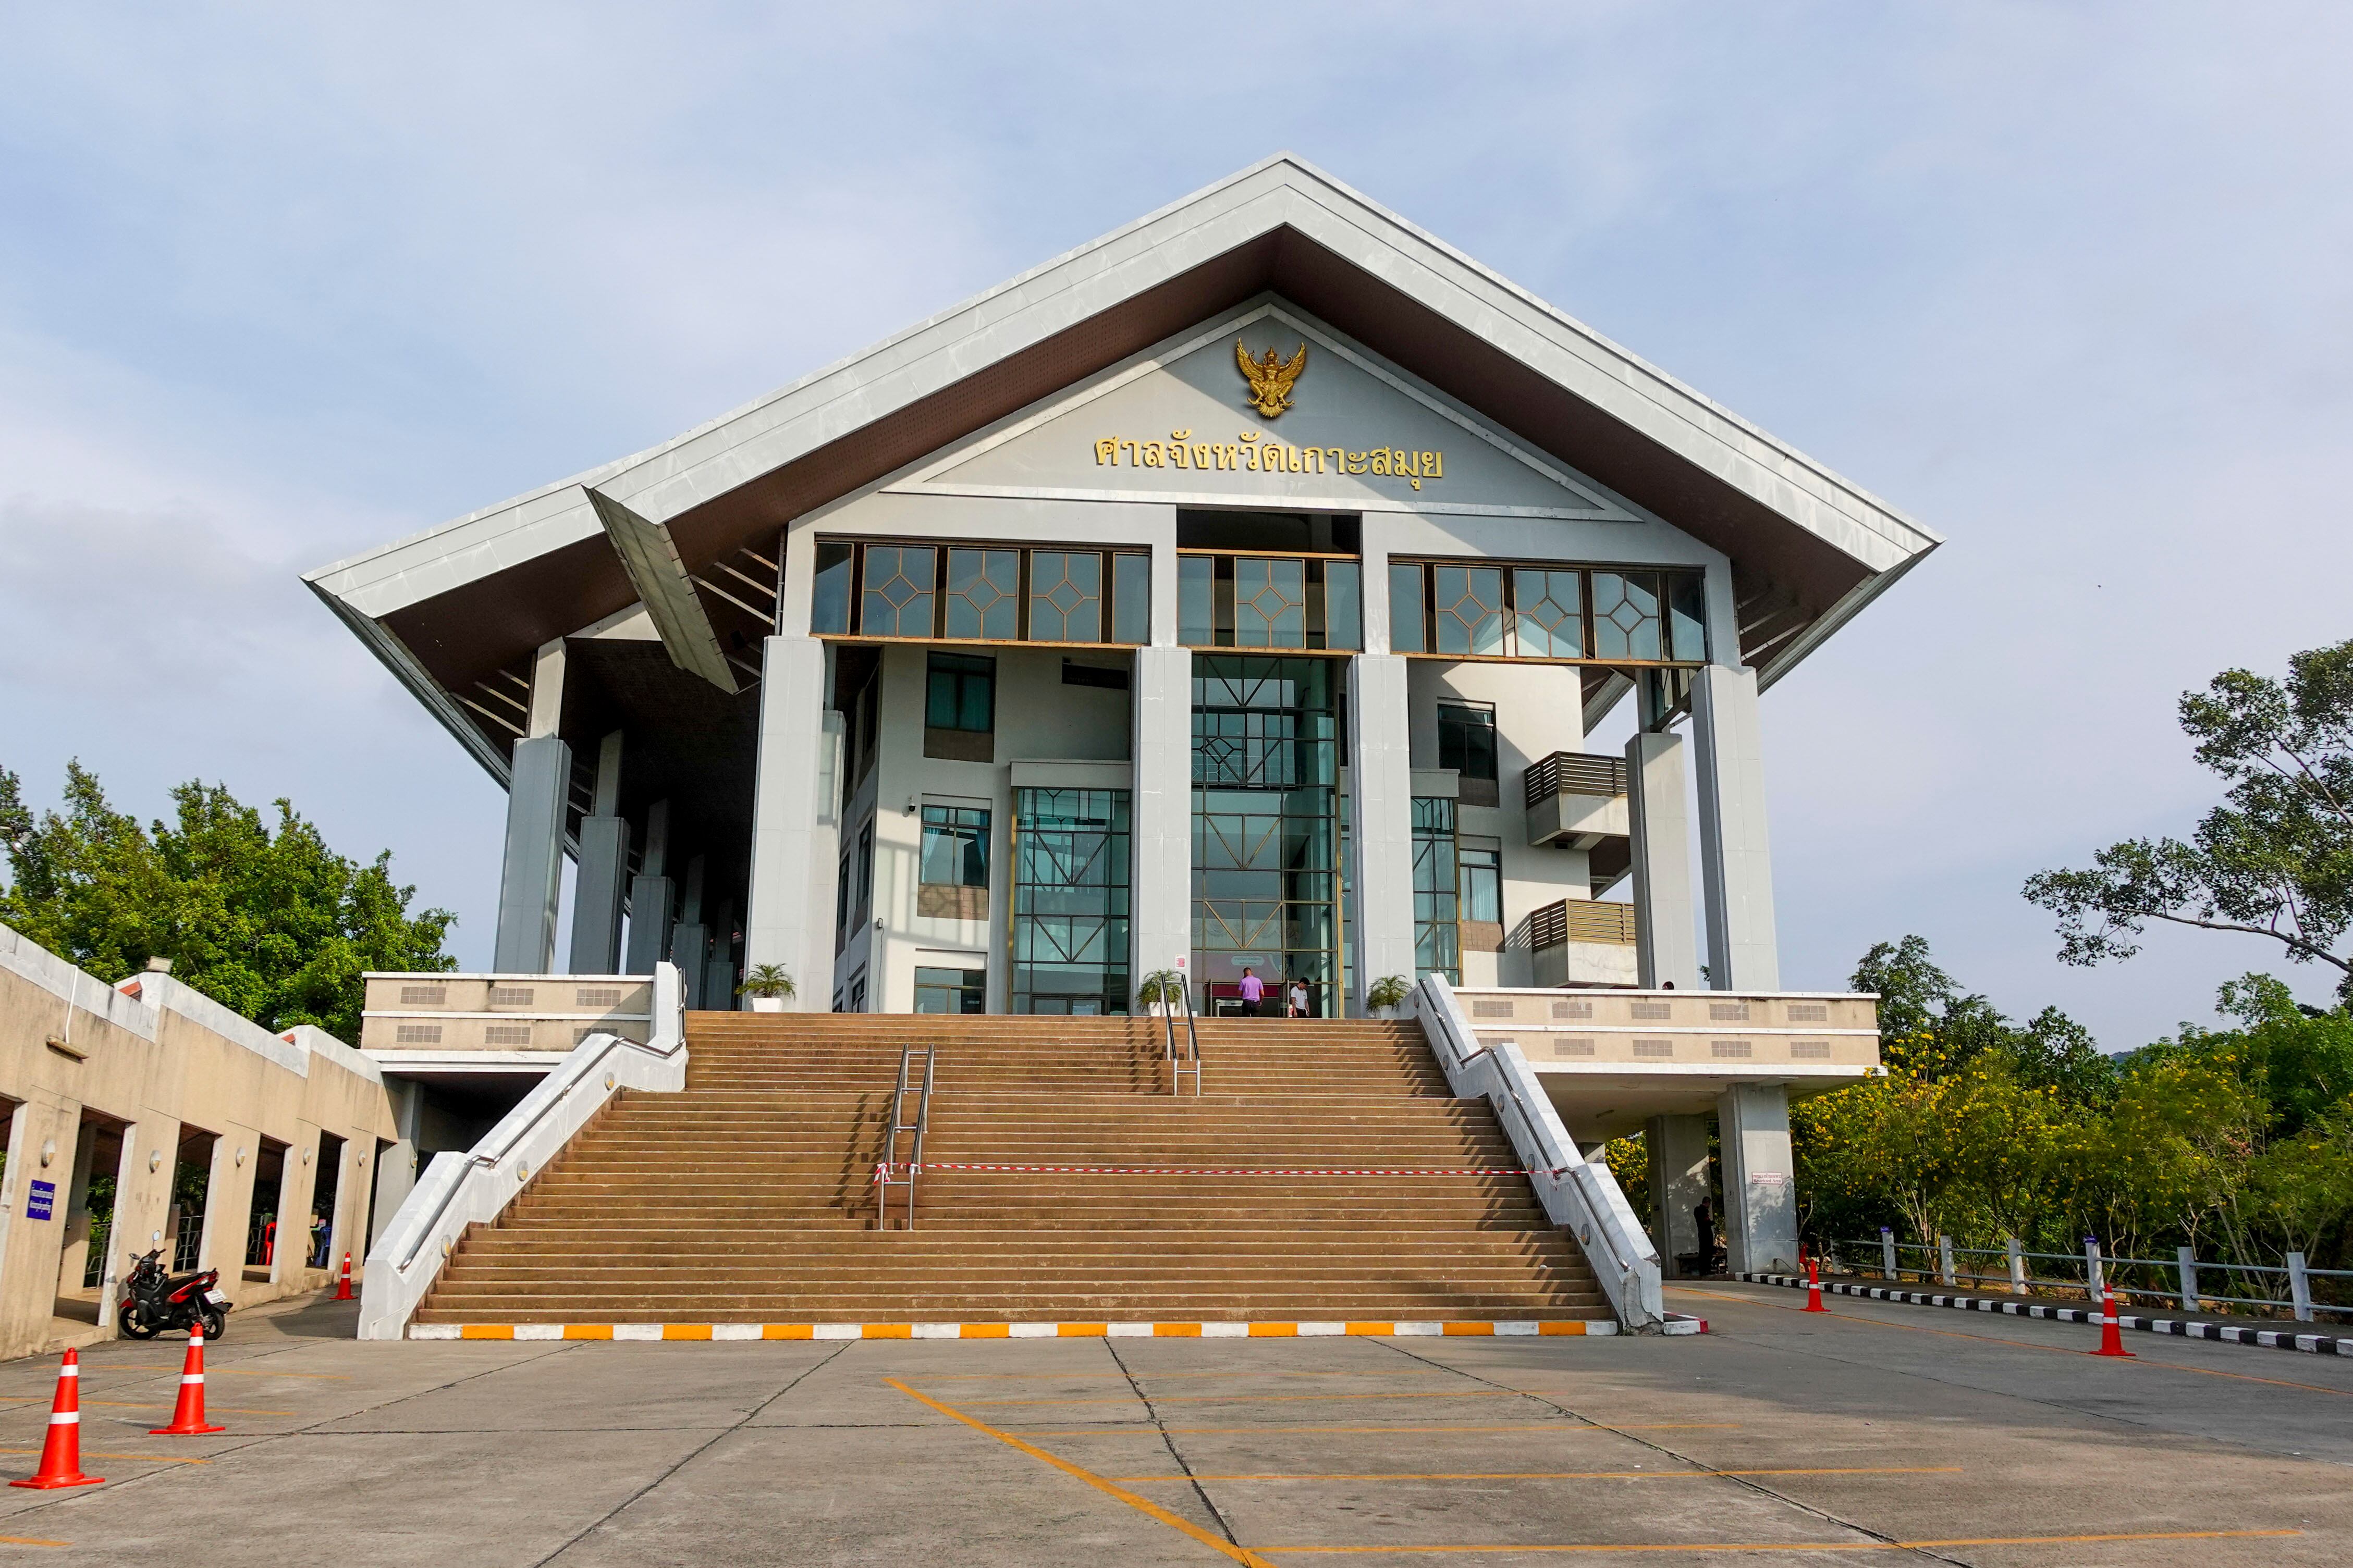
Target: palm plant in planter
768, 986
1163, 991
1386, 994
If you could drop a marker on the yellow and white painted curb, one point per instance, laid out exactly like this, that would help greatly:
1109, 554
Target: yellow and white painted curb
1275, 1330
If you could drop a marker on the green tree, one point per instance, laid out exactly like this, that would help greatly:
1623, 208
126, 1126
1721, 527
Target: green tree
267, 922
2276, 860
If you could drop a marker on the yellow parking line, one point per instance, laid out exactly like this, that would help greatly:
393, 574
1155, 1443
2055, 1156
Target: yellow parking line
103, 1369
224, 1409
1150, 1510
1699, 1546
1557, 1475
1156, 1376
1148, 1429
29, 1541
1265, 1398
158, 1458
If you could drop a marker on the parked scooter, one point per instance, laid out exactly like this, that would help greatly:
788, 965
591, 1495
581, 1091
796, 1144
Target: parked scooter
153, 1301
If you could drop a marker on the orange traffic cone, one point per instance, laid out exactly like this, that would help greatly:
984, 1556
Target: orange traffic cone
188, 1415
1814, 1287
344, 1290
2112, 1339
61, 1452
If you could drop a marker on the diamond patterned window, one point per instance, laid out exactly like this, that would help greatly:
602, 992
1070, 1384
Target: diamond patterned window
984, 595
1267, 601
1065, 596
896, 601
1550, 607
1470, 605
1626, 616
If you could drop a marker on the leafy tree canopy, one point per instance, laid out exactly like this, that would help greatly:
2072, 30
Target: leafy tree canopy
2276, 860
1931, 1029
269, 923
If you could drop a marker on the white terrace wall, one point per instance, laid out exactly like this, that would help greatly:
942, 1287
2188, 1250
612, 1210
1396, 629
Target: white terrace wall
161, 1059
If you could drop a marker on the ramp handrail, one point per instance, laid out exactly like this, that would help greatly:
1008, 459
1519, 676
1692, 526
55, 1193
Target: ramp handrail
885, 1177
1188, 1060
475, 1188
1578, 1195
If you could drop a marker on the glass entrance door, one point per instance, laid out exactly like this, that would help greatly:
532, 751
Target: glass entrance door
1266, 884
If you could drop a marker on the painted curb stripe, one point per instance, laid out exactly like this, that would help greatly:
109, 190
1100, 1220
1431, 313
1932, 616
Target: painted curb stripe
2181, 1327
673, 1332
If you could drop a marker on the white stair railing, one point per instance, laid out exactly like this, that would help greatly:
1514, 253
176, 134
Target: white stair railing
475, 1187
1580, 1195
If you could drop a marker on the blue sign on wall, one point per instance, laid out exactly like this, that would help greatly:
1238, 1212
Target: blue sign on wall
41, 1201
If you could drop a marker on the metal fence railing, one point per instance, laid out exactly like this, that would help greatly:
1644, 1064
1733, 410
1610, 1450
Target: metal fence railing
1581, 919
2090, 1271
188, 1242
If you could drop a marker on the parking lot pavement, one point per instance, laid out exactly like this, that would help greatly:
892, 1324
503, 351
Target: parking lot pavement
1873, 1433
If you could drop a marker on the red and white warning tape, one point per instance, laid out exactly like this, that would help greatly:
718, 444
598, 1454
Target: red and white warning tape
893, 1165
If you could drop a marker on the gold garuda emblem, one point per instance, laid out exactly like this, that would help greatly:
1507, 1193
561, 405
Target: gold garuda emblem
1270, 379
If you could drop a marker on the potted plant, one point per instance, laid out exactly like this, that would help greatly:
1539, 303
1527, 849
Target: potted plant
1163, 991
1386, 994
768, 986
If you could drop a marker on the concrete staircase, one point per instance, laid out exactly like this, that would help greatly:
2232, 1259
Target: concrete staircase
749, 1197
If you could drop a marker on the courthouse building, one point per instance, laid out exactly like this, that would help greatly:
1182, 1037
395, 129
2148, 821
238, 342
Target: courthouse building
1238, 589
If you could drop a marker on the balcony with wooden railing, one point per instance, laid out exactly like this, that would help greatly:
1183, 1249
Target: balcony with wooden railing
1576, 800
1582, 941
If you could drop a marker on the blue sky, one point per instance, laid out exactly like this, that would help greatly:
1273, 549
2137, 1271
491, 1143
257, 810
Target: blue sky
2067, 282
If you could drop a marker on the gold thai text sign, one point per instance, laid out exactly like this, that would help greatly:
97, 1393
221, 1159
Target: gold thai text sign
1253, 453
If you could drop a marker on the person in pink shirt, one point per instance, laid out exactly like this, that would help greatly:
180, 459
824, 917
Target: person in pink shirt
1253, 992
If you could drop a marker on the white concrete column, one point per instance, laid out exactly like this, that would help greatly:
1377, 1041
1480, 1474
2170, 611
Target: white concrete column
1160, 810
1380, 823
781, 927
531, 879
1735, 862
1760, 1182
1677, 1148
1666, 926
395, 1168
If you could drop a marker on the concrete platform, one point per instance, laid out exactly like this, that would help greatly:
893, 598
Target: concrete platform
1788, 1437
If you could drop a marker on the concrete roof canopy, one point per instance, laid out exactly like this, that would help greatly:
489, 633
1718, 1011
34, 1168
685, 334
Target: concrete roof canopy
460, 604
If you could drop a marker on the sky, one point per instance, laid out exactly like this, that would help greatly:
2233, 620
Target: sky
2067, 283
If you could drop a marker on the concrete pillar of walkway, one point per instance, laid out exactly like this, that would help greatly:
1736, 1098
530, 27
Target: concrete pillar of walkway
1760, 1184
603, 871
1380, 823
539, 782
1735, 859
1666, 926
1677, 1147
396, 1168
1160, 813
786, 804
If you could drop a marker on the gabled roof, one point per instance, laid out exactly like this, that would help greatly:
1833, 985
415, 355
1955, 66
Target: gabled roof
451, 608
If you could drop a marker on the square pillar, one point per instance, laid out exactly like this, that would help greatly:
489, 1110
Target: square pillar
1735, 862
787, 804
1380, 823
596, 895
1160, 812
690, 949
531, 878
1677, 1147
1666, 926
1760, 1183
396, 1167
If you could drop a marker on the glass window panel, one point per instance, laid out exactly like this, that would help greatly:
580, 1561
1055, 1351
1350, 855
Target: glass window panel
985, 595
898, 593
1436, 888
960, 694
1470, 601
1195, 615
951, 990
1065, 595
1687, 618
1405, 629
1342, 613
1270, 601
829, 590
1070, 901
1466, 741
954, 852
1626, 616
1549, 608
1483, 885
1131, 595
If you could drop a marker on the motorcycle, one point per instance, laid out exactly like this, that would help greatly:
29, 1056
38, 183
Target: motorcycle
153, 1301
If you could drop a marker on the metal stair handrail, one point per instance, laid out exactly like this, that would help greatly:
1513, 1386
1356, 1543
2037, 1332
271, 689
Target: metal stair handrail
886, 1176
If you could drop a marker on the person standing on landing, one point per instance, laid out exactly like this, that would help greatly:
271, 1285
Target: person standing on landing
1253, 992
1298, 999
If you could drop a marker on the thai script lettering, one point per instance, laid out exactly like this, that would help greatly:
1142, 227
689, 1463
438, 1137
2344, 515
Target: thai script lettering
1252, 452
